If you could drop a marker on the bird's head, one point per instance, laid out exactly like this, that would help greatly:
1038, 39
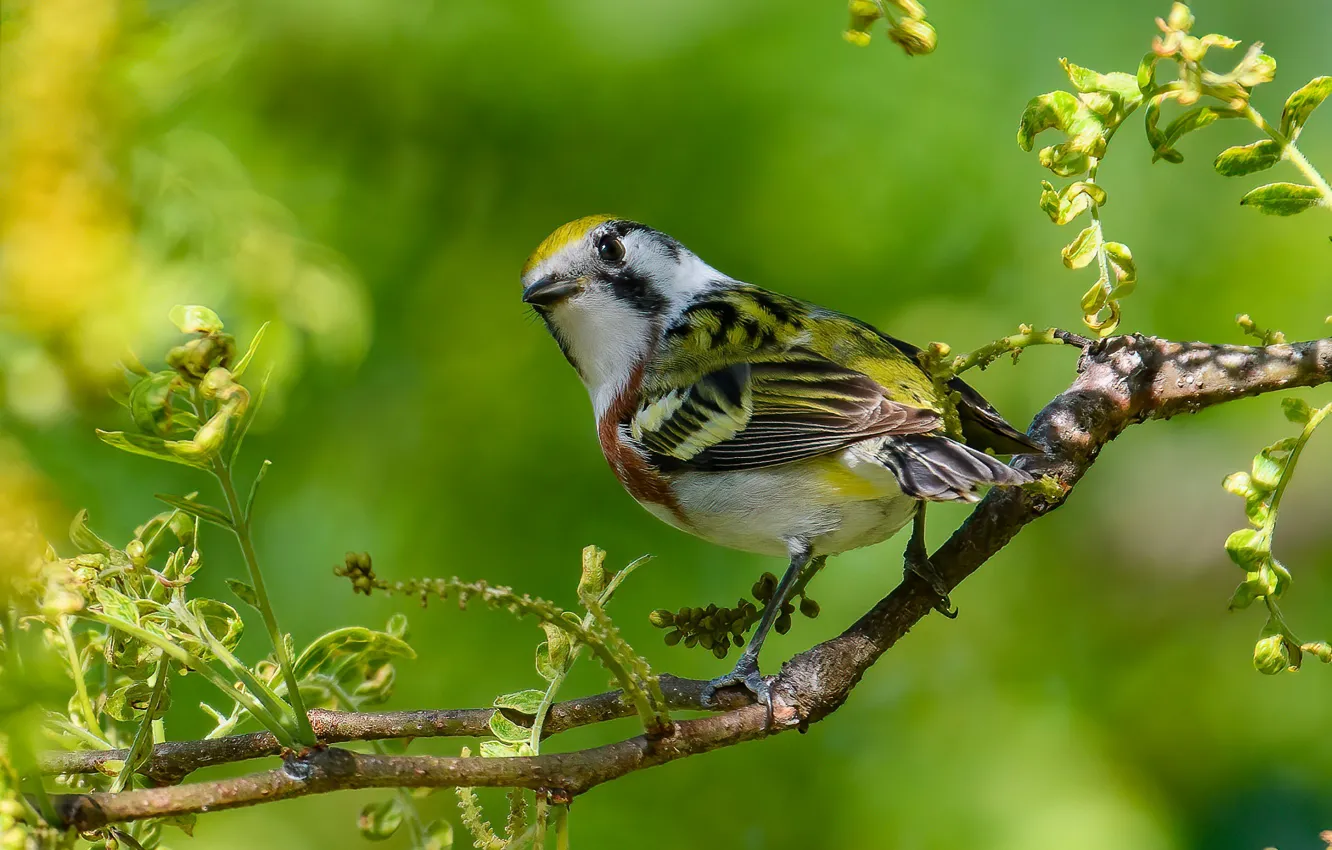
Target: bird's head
607, 288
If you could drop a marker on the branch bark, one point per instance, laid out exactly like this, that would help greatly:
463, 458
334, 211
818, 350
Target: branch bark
1121, 381
172, 761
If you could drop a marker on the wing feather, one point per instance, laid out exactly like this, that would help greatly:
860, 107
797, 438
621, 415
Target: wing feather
769, 412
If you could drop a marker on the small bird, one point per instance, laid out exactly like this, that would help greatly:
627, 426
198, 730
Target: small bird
755, 420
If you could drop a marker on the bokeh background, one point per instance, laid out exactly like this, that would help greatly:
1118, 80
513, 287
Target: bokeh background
369, 176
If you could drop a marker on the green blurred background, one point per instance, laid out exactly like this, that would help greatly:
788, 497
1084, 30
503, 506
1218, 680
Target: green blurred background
371, 175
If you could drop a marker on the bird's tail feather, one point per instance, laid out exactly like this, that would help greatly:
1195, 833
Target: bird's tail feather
938, 469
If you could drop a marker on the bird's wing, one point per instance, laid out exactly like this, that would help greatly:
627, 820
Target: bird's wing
769, 410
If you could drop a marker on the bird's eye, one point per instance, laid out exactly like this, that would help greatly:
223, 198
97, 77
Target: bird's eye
610, 249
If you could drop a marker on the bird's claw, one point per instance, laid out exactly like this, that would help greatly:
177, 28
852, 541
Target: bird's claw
923, 567
745, 673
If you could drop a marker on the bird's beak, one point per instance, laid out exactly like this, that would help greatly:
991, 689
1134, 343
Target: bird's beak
549, 291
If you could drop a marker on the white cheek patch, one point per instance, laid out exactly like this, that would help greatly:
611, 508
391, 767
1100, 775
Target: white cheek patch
606, 338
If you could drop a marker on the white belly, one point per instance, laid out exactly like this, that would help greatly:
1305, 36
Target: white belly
837, 503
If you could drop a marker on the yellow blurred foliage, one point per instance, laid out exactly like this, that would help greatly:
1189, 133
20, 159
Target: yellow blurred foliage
64, 227
111, 212
24, 502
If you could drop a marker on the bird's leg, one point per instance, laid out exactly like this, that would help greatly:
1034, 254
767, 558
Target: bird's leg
918, 562
746, 671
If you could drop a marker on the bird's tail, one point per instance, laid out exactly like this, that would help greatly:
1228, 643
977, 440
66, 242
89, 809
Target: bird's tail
938, 469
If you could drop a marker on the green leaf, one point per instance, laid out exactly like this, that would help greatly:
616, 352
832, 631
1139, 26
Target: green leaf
1194, 119
185, 823
85, 540
545, 669
132, 700
439, 835
1075, 199
1246, 593
154, 447
497, 750
560, 645
192, 318
1146, 78
244, 592
330, 652
508, 731
1270, 463
1247, 159
1297, 410
1282, 198
1082, 249
1155, 137
1064, 111
1094, 299
221, 620
1240, 484
244, 362
115, 604
207, 513
1276, 578
1249, 548
1116, 82
527, 701
150, 402
378, 821
1126, 271
1301, 104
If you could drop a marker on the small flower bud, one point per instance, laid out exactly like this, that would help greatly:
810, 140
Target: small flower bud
661, 618
764, 587
215, 382
592, 580
137, 553
783, 624
1180, 17
672, 638
859, 38
809, 607
1320, 650
1191, 48
150, 402
1270, 655
720, 650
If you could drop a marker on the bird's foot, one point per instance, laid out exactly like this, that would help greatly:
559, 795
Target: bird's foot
923, 567
746, 673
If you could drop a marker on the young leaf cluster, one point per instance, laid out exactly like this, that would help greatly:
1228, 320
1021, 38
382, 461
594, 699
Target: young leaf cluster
1091, 117
94, 643
566, 634
907, 27
1265, 577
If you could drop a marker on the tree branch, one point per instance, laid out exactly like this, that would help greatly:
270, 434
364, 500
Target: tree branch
1121, 381
174, 760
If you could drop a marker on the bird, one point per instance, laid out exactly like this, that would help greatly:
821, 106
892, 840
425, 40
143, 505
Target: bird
755, 420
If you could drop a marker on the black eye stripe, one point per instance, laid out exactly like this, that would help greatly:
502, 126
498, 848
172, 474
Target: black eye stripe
636, 291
